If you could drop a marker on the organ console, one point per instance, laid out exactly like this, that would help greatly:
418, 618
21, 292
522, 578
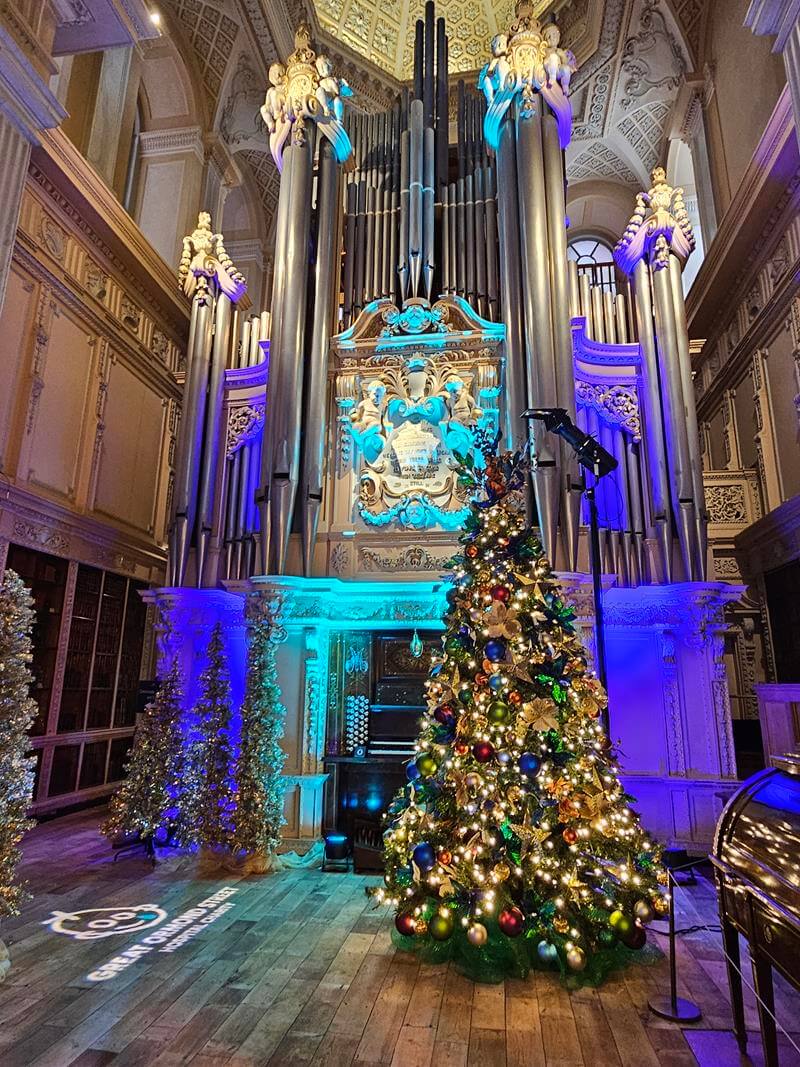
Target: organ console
756, 860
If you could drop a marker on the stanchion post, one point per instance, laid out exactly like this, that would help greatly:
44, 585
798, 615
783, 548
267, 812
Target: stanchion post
674, 1007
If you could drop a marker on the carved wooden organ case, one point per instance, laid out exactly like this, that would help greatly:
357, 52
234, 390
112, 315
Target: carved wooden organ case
411, 389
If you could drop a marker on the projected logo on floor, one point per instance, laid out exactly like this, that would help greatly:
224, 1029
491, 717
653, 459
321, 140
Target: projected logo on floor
106, 922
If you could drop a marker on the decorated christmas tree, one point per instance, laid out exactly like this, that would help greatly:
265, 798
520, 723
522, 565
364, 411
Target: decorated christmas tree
17, 712
148, 803
513, 844
259, 785
208, 798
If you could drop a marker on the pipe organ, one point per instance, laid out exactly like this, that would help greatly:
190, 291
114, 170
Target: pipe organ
423, 296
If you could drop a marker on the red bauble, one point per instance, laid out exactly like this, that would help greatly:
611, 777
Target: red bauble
445, 857
461, 748
481, 679
569, 835
406, 924
515, 697
471, 551
499, 592
511, 921
483, 751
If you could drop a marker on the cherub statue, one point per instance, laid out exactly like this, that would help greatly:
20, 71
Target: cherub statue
273, 109
369, 413
331, 91
559, 63
367, 420
460, 404
492, 77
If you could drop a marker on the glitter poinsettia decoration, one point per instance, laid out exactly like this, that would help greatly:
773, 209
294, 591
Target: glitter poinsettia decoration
513, 844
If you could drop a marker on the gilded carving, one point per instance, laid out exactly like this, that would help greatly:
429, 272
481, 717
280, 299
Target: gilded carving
244, 425
305, 89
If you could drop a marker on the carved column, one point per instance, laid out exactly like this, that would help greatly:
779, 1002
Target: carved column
733, 457
780, 19
766, 444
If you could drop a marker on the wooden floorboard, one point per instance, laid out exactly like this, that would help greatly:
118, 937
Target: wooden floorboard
302, 970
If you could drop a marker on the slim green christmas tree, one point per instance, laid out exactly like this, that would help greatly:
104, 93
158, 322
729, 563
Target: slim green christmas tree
148, 801
513, 844
208, 799
17, 712
259, 808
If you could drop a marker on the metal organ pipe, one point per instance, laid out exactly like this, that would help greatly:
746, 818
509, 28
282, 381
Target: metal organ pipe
536, 300
316, 392
511, 282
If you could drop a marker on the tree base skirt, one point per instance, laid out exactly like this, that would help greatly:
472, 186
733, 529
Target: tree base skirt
211, 861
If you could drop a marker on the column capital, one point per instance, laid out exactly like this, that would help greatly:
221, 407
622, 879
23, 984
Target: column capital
658, 226
302, 89
528, 59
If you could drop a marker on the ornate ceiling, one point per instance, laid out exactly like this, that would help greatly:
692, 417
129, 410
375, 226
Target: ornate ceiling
633, 56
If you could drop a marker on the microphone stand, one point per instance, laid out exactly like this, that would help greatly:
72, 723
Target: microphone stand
591, 455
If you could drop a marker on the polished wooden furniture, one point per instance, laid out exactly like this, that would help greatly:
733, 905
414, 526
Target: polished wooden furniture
756, 860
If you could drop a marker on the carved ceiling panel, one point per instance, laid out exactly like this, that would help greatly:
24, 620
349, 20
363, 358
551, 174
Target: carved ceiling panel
212, 33
267, 179
599, 160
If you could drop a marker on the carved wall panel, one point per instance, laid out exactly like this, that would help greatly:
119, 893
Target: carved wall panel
60, 405
16, 325
129, 468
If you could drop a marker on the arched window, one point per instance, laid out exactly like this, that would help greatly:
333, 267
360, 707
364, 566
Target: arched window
595, 258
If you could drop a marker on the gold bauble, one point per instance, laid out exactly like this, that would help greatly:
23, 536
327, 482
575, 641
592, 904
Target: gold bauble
501, 871
560, 925
473, 780
576, 959
661, 905
477, 935
420, 928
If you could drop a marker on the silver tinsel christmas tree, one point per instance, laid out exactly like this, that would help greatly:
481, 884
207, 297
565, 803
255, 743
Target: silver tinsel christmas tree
147, 802
17, 712
259, 811
209, 798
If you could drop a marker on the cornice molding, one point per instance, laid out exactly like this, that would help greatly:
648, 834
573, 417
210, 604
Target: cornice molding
84, 197
168, 142
747, 225
24, 98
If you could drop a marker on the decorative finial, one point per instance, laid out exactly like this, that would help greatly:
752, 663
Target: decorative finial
653, 236
204, 262
528, 59
302, 89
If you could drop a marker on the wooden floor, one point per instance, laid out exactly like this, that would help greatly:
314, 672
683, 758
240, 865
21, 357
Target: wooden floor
301, 970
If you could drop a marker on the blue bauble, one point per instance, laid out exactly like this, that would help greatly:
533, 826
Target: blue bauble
495, 650
424, 856
546, 952
412, 771
495, 682
529, 764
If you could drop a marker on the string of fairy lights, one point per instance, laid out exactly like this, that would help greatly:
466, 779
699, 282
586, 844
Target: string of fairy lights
514, 823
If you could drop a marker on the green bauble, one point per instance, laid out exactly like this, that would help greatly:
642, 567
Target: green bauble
426, 765
620, 923
498, 711
453, 645
466, 696
440, 927
606, 937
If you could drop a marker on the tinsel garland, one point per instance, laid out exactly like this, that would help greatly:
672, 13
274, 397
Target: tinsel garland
513, 844
259, 784
208, 797
148, 801
17, 713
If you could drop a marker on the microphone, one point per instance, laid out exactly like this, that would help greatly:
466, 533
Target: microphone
590, 453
